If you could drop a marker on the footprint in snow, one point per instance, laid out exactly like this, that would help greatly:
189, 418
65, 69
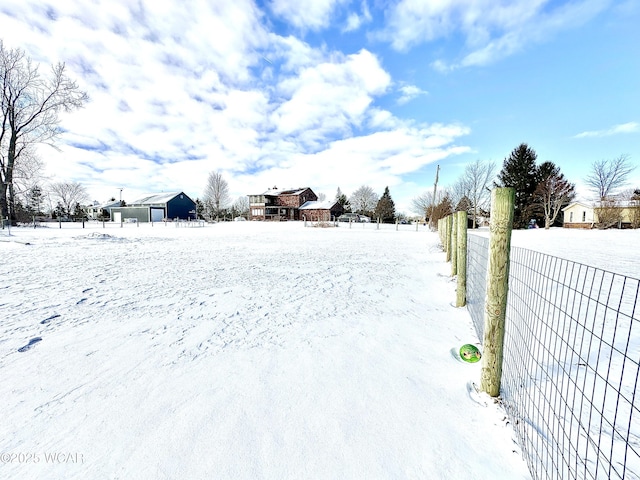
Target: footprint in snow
31, 343
47, 320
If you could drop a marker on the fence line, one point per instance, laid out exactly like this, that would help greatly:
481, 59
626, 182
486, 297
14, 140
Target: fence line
571, 363
477, 261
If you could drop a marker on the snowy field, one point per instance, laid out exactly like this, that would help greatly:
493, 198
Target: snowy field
247, 350
240, 350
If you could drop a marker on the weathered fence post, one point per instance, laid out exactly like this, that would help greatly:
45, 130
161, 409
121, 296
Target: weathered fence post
502, 201
461, 288
454, 245
447, 237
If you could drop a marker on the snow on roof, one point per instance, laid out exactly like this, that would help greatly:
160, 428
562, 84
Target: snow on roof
326, 205
155, 198
573, 204
109, 204
284, 191
614, 203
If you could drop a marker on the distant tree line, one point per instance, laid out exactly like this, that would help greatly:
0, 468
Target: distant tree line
364, 201
541, 190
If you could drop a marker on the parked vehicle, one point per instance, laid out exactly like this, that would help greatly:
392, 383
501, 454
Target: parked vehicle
349, 217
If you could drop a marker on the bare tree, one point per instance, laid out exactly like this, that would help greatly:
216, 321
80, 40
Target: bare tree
478, 176
241, 206
553, 193
422, 203
363, 200
608, 175
69, 194
216, 194
608, 213
442, 208
28, 172
425, 205
31, 105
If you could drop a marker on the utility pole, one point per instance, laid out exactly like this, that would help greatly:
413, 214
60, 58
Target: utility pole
433, 202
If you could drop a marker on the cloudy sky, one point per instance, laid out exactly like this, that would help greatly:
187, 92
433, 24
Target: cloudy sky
332, 93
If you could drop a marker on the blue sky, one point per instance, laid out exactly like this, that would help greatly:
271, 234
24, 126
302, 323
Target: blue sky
332, 93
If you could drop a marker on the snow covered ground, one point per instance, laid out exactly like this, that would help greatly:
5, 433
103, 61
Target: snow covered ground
613, 250
242, 350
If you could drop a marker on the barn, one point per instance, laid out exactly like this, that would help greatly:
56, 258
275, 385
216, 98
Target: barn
156, 207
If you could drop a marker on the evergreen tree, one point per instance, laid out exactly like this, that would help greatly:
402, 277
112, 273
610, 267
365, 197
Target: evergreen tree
519, 171
386, 209
21, 213
342, 199
35, 198
59, 211
464, 205
200, 208
78, 212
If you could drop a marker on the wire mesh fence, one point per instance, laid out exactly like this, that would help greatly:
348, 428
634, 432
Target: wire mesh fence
477, 261
571, 363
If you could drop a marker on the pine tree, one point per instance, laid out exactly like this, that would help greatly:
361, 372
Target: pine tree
200, 208
342, 199
34, 201
464, 205
386, 209
520, 172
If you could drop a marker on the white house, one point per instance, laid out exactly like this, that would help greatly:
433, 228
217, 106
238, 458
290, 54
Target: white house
582, 215
578, 215
97, 210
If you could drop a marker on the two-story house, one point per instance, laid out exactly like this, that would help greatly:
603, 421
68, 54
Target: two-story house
277, 204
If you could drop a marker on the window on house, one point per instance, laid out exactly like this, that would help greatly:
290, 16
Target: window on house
571, 217
584, 216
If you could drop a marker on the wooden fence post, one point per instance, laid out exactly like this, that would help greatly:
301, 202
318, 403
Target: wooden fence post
461, 288
502, 201
447, 237
454, 245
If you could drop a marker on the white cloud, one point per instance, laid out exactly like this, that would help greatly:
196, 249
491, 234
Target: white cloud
491, 29
313, 15
409, 92
630, 127
180, 89
331, 97
355, 20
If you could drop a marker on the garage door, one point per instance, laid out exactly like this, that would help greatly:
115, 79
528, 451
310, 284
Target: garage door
157, 214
